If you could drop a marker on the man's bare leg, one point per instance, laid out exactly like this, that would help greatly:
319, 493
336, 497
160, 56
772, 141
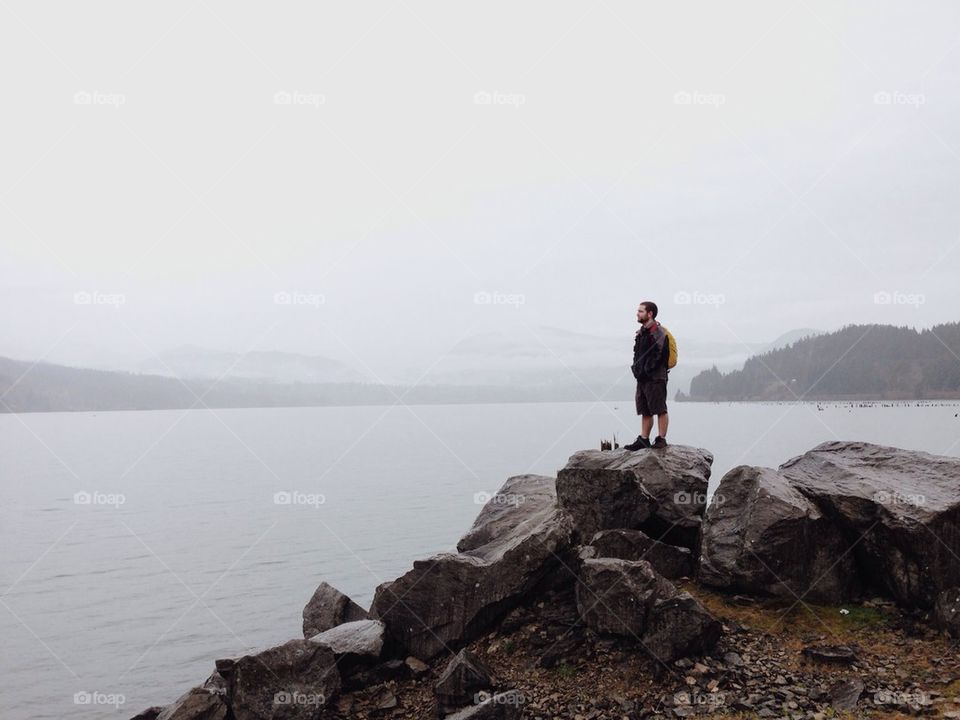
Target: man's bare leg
663, 422
646, 425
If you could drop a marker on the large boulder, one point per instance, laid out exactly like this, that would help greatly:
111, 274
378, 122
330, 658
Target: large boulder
516, 544
661, 492
680, 626
354, 644
671, 561
762, 536
291, 681
615, 596
629, 598
898, 509
499, 513
327, 608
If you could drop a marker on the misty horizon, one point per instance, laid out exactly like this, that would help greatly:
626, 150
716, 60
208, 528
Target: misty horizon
289, 194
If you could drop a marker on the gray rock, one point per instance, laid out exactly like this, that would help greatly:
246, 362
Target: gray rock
831, 654
946, 611
498, 515
669, 560
362, 638
662, 493
628, 597
615, 596
844, 694
354, 642
733, 658
463, 677
763, 536
899, 510
291, 681
327, 608
450, 599
502, 706
680, 626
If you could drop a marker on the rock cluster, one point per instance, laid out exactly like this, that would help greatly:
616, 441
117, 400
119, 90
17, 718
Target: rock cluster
843, 519
580, 573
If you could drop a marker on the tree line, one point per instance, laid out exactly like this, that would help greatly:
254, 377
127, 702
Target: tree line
855, 362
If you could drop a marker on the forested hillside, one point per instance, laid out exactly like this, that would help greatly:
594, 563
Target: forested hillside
858, 361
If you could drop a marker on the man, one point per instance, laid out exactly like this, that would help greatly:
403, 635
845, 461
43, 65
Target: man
651, 352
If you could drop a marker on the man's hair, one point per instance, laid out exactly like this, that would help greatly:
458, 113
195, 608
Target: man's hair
650, 307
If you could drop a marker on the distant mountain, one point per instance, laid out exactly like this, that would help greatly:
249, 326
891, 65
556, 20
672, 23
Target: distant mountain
541, 364
856, 362
190, 361
44, 387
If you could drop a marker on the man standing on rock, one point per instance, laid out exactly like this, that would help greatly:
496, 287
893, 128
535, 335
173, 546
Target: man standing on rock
650, 355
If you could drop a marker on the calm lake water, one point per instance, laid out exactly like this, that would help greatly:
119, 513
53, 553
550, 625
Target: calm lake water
183, 555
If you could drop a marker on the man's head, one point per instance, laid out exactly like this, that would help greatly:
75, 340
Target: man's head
646, 312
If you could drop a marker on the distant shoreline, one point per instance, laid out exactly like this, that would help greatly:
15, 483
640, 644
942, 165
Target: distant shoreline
867, 398
859, 402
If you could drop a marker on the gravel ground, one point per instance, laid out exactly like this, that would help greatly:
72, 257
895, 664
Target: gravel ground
775, 660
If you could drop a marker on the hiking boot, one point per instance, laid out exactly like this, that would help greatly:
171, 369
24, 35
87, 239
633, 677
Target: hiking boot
639, 444
660, 443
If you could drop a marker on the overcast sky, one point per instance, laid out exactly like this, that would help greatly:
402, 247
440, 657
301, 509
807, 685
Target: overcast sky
374, 181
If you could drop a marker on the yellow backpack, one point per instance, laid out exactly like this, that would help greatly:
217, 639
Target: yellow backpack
672, 343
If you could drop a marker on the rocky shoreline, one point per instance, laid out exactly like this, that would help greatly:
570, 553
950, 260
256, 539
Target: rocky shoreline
829, 587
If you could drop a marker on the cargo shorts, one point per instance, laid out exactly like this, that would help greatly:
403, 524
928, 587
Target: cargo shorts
651, 397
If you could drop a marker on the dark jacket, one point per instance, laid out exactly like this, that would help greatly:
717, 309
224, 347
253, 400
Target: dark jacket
650, 353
